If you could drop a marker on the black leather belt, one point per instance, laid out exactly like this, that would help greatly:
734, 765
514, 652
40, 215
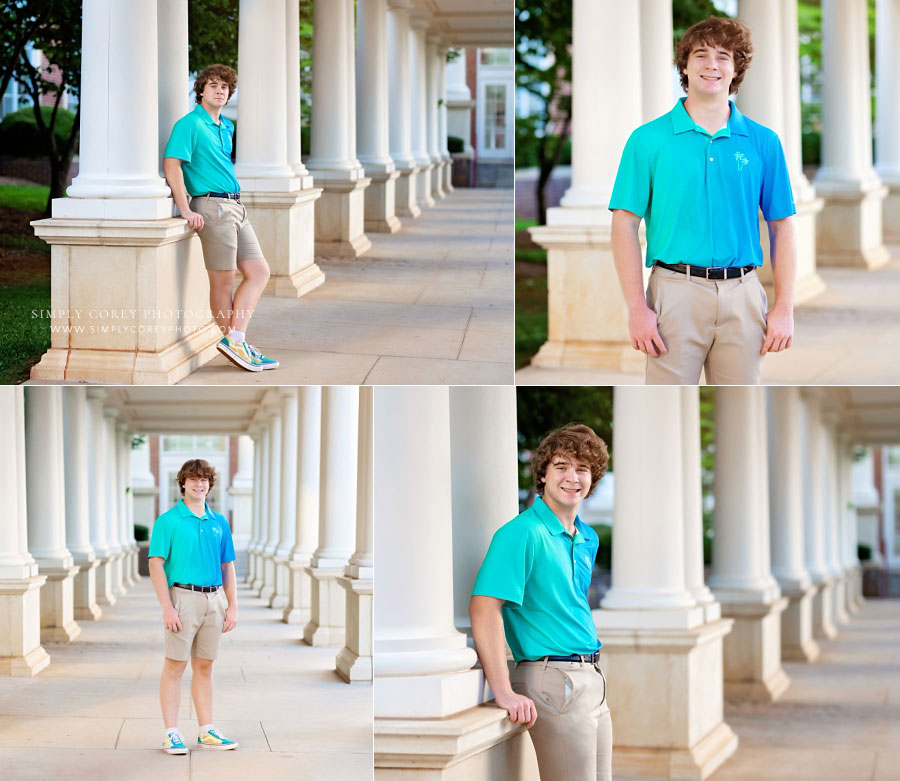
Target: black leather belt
204, 589
231, 196
587, 658
707, 273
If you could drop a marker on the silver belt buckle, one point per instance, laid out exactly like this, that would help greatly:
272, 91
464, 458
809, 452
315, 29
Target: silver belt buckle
707, 273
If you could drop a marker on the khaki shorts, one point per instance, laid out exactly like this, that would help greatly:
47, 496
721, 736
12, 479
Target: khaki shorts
202, 617
718, 326
227, 236
572, 736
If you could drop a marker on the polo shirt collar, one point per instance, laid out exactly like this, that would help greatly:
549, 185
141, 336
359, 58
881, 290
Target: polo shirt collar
682, 122
183, 509
204, 115
553, 524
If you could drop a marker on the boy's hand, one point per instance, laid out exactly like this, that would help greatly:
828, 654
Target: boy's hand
194, 220
171, 620
230, 618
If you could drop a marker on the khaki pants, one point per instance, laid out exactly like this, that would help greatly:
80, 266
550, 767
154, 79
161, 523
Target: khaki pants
716, 325
202, 617
572, 736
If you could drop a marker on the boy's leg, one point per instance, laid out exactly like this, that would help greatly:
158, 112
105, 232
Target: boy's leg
256, 274
201, 688
220, 300
170, 691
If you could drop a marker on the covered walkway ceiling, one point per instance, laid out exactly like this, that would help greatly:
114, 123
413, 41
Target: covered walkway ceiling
207, 410
870, 413
472, 22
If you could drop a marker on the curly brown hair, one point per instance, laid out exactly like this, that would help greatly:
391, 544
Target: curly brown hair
217, 71
196, 467
730, 34
575, 441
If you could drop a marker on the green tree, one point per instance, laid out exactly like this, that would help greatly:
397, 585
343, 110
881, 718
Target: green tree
19, 21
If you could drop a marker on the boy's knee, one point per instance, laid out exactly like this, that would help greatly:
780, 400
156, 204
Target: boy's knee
202, 666
174, 668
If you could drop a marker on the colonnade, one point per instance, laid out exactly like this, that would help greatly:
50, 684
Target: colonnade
378, 153
675, 643
840, 215
67, 546
311, 545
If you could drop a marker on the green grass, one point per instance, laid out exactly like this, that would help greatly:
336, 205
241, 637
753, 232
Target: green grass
522, 225
26, 197
531, 317
23, 338
31, 243
532, 255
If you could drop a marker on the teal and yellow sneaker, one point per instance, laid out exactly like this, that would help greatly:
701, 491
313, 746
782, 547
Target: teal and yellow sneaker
214, 739
174, 744
239, 354
267, 363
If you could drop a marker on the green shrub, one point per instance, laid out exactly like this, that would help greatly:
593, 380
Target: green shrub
141, 533
20, 136
811, 143
864, 552
604, 551
455, 145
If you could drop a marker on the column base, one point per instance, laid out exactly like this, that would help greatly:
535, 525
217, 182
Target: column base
146, 324
849, 229
447, 173
380, 199
340, 230
823, 611
590, 355
797, 643
85, 591
105, 594
118, 574
57, 605
279, 599
437, 180
840, 600
284, 223
753, 668
668, 720
297, 610
891, 213
480, 742
405, 201
21, 652
268, 584
326, 624
354, 661
423, 185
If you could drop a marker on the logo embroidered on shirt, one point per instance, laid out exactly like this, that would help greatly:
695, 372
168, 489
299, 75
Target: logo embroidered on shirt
741, 160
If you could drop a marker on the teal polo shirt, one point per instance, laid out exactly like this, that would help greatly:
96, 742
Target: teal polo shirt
542, 573
194, 548
205, 151
700, 195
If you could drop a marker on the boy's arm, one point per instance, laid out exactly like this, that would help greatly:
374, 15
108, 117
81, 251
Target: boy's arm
626, 247
175, 180
229, 583
161, 587
783, 252
490, 644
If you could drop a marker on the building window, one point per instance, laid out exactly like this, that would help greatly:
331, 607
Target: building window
189, 444
496, 56
495, 116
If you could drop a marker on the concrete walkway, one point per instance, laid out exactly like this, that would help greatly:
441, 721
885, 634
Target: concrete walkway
431, 304
94, 712
848, 335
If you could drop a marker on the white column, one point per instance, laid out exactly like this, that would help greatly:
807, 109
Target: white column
337, 514
446, 160
693, 505
741, 578
656, 58
273, 507
77, 510
459, 103
423, 662
256, 431
287, 518
21, 653
418, 114
143, 485
262, 493
868, 506
832, 509
399, 98
172, 74
46, 512
372, 116
484, 480
118, 172
887, 114
431, 112
113, 503
309, 446
850, 228
292, 59
785, 435
129, 544
100, 531
241, 490
354, 661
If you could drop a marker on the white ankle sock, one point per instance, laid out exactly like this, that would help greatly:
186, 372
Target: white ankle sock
235, 336
204, 728
172, 730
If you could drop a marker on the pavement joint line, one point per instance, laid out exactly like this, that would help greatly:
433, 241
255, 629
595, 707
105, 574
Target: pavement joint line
465, 332
119, 734
263, 728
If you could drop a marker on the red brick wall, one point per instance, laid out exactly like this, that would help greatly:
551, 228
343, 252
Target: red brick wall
154, 468
472, 83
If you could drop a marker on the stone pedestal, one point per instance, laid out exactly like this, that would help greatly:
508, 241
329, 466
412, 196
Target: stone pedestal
279, 598
823, 611
57, 613
840, 599
850, 225
753, 668
406, 199
285, 224
797, 643
268, 585
339, 218
380, 201
354, 662
21, 653
326, 627
85, 591
299, 592
676, 675
147, 323
105, 594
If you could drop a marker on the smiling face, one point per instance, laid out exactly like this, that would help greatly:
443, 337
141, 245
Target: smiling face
196, 488
566, 482
709, 70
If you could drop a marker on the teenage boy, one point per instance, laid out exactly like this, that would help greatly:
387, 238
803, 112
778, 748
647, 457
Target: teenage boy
532, 593
197, 163
192, 570
698, 176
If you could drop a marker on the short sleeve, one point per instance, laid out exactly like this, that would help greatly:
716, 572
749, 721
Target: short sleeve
506, 566
160, 539
631, 190
226, 548
776, 198
181, 141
